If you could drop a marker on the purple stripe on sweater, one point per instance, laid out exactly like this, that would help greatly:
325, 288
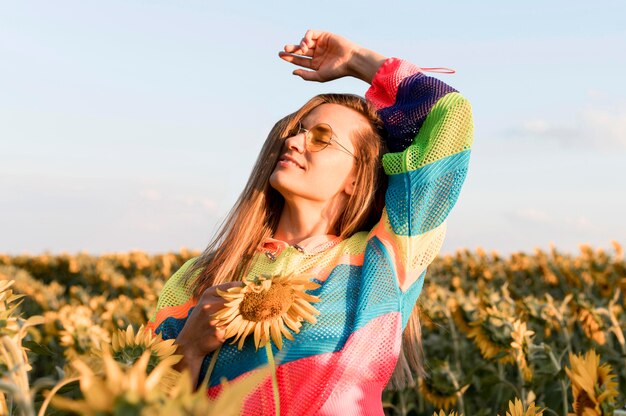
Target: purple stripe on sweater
416, 96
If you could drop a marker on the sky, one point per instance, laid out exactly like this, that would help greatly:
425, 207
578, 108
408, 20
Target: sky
133, 125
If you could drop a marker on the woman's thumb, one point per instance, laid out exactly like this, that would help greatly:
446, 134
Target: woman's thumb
307, 75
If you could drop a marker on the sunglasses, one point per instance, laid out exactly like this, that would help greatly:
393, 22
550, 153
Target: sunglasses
319, 137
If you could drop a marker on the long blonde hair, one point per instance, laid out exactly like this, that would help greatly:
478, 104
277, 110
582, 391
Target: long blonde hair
256, 213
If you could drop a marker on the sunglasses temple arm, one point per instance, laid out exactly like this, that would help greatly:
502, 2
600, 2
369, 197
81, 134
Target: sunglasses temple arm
344, 148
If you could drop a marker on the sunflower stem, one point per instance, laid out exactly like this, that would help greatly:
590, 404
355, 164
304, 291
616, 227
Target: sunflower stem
500, 388
420, 399
457, 357
270, 360
521, 385
209, 371
403, 411
568, 339
615, 324
46, 403
547, 409
457, 388
455, 342
557, 366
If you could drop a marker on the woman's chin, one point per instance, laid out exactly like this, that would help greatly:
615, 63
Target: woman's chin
278, 183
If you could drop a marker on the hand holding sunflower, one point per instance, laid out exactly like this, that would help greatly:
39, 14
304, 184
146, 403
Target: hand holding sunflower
267, 308
201, 335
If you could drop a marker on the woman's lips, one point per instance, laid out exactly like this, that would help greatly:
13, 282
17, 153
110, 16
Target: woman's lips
286, 161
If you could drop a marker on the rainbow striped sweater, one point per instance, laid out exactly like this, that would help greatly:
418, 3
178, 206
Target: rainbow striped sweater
369, 282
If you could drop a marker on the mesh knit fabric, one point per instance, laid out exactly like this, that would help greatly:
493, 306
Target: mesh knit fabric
370, 281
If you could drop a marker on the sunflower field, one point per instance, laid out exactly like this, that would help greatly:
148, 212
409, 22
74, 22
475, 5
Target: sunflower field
522, 335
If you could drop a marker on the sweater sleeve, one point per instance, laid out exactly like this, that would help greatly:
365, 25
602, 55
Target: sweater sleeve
430, 132
173, 305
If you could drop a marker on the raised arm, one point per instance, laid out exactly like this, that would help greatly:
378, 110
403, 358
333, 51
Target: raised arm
430, 132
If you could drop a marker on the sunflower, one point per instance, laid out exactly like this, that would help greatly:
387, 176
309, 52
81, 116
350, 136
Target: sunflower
79, 342
521, 344
8, 307
127, 347
619, 252
593, 385
517, 409
436, 398
134, 390
442, 413
184, 399
592, 325
12, 326
464, 311
439, 389
267, 307
555, 314
80, 332
492, 336
118, 390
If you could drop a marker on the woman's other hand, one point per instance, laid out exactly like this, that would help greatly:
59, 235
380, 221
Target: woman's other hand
200, 335
327, 56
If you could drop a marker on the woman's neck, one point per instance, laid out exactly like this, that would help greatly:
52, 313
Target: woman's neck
306, 219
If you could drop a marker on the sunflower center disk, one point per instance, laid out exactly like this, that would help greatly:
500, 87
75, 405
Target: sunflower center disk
267, 304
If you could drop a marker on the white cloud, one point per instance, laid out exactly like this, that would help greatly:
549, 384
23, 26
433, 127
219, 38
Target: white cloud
192, 201
150, 194
602, 127
154, 195
606, 127
536, 216
533, 215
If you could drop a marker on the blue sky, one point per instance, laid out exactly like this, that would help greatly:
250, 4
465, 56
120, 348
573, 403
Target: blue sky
134, 125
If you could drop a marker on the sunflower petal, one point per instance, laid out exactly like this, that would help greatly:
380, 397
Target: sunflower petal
307, 306
257, 335
225, 313
234, 302
308, 298
285, 331
265, 333
249, 327
303, 313
242, 327
129, 335
276, 334
233, 326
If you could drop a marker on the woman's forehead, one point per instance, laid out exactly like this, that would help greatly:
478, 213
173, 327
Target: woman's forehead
339, 117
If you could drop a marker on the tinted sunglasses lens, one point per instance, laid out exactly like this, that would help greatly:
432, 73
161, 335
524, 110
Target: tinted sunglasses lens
319, 137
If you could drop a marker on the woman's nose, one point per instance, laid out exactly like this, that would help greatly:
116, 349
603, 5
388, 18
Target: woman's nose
296, 142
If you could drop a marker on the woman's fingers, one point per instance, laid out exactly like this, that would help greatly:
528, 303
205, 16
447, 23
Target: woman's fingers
211, 299
218, 330
297, 49
296, 59
310, 37
307, 43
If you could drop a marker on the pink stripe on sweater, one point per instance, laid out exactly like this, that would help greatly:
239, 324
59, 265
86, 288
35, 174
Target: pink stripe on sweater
384, 88
329, 384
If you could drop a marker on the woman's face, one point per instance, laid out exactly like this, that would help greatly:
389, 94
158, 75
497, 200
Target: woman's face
324, 176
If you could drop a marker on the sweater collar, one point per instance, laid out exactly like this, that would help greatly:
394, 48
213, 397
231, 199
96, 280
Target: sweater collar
310, 245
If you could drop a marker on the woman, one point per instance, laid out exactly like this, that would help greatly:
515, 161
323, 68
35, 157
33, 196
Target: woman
312, 216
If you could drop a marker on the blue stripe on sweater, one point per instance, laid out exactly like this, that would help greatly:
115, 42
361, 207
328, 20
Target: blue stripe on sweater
420, 200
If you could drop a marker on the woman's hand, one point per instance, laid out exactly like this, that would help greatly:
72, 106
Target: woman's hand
329, 56
200, 335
